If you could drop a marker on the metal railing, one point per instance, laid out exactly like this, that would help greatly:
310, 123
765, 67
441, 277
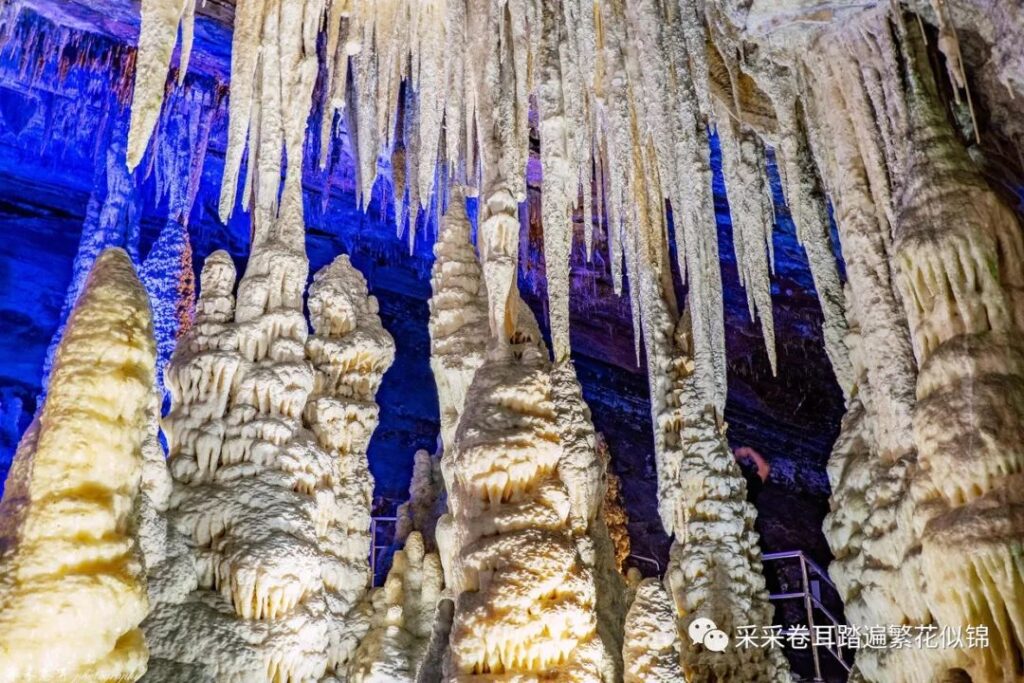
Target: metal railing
809, 573
378, 544
646, 560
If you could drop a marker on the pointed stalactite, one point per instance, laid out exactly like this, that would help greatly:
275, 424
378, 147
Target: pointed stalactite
112, 220
157, 38
743, 162
808, 207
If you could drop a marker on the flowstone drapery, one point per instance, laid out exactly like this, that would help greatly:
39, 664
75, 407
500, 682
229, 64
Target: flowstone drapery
74, 590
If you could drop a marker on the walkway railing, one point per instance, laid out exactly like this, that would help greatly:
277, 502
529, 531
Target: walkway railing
382, 536
812, 577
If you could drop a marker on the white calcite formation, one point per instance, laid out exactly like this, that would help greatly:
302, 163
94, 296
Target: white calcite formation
925, 516
525, 595
459, 330
73, 587
523, 545
267, 435
925, 525
427, 500
403, 620
652, 651
960, 256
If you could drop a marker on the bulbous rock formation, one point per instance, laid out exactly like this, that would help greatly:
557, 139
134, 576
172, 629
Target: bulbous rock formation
73, 591
404, 613
267, 436
526, 603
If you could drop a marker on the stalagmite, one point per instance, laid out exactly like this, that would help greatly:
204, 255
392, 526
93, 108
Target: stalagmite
396, 644
267, 436
426, 501
526, 602
458, 315
74, 590
615, 517
653, 649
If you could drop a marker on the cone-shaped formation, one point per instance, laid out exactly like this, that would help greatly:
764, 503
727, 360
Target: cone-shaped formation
526, 602
427, 500
652, 649
458, 315
403, 620
267, 434
67, 554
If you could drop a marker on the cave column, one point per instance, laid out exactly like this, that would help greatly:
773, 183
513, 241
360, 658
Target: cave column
960, 270
873, 461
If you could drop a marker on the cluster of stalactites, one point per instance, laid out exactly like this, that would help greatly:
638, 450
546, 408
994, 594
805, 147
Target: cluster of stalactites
624, 95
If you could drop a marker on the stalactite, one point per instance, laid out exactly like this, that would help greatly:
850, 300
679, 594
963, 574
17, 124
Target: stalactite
159, 33
560, 180
807, 205
594, 87
743, 163
70, 563
112, 220
166, 272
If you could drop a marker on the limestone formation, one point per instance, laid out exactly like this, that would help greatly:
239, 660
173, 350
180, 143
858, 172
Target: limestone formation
925, 524
73, 591
395, 647
267, 435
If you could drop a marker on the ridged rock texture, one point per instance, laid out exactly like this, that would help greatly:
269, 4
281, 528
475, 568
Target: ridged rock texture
73, 591
622, 97
267, 435
925, 521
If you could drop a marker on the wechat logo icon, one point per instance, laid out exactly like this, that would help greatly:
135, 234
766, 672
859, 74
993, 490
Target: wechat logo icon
704, 632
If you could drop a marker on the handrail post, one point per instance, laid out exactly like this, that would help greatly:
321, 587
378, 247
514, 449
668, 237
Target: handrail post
809, 606
373, 550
